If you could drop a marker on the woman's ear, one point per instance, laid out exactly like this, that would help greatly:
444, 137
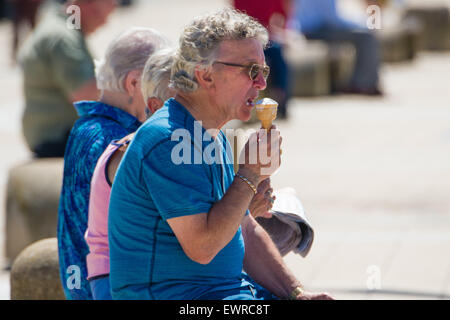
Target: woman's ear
204, 77
154, 104
132, 82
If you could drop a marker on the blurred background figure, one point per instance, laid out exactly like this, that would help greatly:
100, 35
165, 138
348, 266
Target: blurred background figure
58, 70
319, 20
24, 13
124, 3
273, 15
2, 9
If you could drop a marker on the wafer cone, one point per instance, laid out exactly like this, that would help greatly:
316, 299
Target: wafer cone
266, 111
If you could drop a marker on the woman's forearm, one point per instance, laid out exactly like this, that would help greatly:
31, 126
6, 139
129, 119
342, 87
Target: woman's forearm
264, 263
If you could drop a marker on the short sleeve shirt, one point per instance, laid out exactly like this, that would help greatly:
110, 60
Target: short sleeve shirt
98, 125
55, 62
172, 168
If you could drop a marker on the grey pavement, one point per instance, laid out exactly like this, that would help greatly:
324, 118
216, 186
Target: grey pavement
374, 177
373, 174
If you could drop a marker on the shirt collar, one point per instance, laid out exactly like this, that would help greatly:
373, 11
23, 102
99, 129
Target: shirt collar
182, 113
97, 108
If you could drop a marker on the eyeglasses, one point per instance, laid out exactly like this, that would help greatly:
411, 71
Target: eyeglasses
253, 69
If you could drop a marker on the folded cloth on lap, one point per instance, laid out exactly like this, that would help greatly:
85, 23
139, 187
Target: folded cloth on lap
289, 228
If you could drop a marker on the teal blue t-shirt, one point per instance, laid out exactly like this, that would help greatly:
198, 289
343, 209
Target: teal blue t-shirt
172, 168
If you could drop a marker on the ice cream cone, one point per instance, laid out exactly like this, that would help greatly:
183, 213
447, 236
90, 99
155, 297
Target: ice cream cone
266, 111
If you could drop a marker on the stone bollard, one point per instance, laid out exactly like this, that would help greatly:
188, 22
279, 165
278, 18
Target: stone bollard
436, 25
401, 43
35, 273
342, 57
32, 203
310, 69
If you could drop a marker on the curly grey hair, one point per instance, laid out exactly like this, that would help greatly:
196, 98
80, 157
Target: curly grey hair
201, 38
156, 74
129, 51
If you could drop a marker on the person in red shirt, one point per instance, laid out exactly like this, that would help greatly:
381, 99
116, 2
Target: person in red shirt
262, 10
273, 15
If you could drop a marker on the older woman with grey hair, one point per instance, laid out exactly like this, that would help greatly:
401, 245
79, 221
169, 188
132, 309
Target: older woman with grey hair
154, 85
120, 111
178, 214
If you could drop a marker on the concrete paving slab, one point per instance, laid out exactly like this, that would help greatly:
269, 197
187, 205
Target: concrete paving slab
360, 257
447, 284
350, 265
420, 268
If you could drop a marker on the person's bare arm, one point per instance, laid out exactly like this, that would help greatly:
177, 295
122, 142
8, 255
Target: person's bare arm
265, 265
263, 262
203, 235
116, 157
113, 164
88, 91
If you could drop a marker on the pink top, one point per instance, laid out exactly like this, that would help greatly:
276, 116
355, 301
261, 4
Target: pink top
97, 232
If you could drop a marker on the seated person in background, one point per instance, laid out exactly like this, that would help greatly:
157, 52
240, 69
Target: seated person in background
273, 15
119, 112
57, 71
178, 224
319, 20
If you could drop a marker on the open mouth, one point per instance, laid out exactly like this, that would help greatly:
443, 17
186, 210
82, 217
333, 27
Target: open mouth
250, 102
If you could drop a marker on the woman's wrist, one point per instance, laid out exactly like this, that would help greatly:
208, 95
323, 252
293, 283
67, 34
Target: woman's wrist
248, 174
248, 182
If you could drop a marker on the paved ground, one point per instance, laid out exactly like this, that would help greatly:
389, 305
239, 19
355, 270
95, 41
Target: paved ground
373, 174
374, 178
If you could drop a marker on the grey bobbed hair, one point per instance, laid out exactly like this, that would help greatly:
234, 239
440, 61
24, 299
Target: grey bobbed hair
128, 52
156, 74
